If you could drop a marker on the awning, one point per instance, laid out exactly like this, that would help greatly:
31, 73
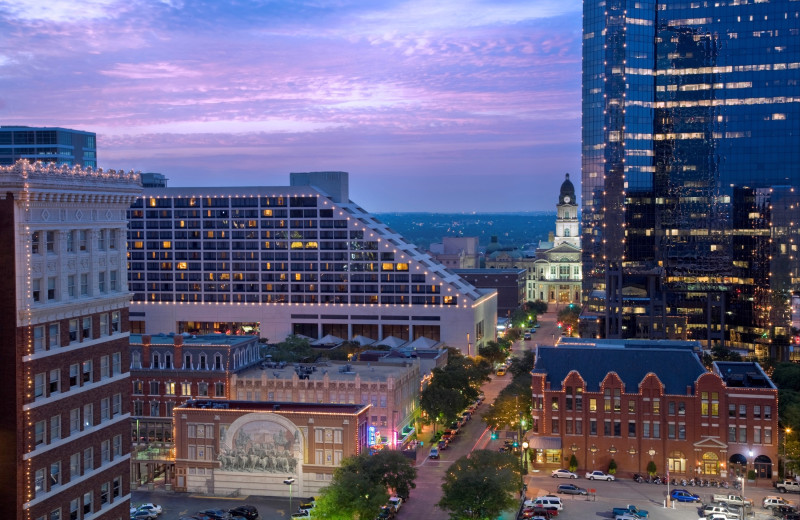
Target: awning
538, 442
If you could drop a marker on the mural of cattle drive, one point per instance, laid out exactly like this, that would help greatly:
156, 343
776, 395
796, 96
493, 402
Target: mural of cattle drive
261, 446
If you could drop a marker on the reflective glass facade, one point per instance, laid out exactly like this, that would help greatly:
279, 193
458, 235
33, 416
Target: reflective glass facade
48, 145
691, 168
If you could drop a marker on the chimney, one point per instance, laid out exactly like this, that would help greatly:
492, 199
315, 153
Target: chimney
146, 358
178, 351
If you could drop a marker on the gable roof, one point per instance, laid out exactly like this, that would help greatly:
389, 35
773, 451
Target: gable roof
676, 368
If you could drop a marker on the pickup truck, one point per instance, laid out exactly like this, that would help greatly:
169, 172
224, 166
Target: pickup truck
788, 485
630, 510
735, 500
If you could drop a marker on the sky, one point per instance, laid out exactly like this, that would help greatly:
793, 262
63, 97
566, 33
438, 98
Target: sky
430, 105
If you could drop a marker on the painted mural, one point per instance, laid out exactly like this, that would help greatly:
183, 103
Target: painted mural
261, 446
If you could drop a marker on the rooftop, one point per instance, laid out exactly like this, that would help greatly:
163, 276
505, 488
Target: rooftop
334, 370
742, 374
273, 406
203, 340
676, 368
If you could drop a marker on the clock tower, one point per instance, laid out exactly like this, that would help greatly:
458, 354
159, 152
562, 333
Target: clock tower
567, 216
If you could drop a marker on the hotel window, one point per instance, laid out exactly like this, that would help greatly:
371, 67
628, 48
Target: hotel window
38, 338
88, 460
579, 399
113, 280
671, 408
37, 290
117, 446
731, 410
554, 425
74, 506
53, 335
87, 504
202, 389
681, 431
607, 400
101, 240
607, 428
656, 406
154, 408
756, 435
74, 371
87, 371
186, 389
50, 239
592, 405
742, 434
168, 361
219, 389
55, 381
51, 289
55, 427
578, 426
86, 329
592, 426
631, 406
138, 388
742, 411
75, 420
103, 493
88, 415
104, 324
105, 410
84, 284
617, 429
70, 241
203, 364
116, 363
39, 429
74, 466
136, 360
681, 408
55, 478
731, 433
154, 390
568, 426
83, 240
115, 321
105, 451
767, 412
656, 430
671, 430
217, 362
35, 238
631, 429
112, 238
646, 430
101, 281
71, 286
103, 367
170, 388
767, 435
138, 408
116, 487
757, 411
38, 481
554, 403
38, 385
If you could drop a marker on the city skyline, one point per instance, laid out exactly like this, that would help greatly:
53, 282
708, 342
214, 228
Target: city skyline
478, 100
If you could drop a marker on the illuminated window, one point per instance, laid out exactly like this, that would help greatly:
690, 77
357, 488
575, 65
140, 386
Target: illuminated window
166, 244
387, 267
152, 202
266, 213
402, 267
181, 266
138, 245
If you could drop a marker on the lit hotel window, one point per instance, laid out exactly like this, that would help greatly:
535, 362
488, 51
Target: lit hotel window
181, 266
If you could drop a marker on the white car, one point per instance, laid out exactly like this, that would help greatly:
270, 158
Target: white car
153, 508
395, 502
563, 473
599, 475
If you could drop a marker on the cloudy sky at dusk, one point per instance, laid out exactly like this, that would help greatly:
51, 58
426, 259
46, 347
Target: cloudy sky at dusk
431, 105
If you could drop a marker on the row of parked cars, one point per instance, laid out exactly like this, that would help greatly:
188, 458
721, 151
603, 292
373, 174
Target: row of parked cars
151, 511
590, 475
450, 433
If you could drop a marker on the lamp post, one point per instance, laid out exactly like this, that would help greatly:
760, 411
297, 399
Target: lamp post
525, 457
786, 433
289, 481
743, 479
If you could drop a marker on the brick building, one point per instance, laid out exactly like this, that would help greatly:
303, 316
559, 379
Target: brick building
250, 448
64, 415
392, 390
166, 371
637, 401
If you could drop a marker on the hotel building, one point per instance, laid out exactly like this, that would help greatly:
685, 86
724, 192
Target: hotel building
636, 401
300, 259
691, 171
65, 384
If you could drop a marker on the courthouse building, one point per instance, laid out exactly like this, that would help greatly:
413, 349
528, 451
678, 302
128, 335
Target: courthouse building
636, 401
299, 259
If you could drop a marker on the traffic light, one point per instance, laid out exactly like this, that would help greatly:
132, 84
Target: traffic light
559, 324
494, 435
516, 444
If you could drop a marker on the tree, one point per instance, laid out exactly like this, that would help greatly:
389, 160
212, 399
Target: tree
293, 348
392, 469
452, 387
351, 495
568, 317
573, 463
481, 485
612, 467
493, 352
651, 468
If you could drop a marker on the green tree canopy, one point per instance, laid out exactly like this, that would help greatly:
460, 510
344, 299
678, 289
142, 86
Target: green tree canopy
481, 485
392, 469
352, 494
493, 352
453, 387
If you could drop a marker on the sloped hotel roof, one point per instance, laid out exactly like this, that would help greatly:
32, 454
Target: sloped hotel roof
677, 369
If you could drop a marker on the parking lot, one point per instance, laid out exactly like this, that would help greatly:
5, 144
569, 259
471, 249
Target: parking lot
645, 496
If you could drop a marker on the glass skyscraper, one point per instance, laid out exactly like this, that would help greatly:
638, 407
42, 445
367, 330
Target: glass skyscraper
691, 170
48, 145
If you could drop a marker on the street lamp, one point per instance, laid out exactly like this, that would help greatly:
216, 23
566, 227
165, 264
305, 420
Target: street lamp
525, 457
289, 481
786, 433
742, 479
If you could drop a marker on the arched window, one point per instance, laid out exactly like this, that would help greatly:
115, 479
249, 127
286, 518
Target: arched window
710, 463
136, 360
187, 361
217, 361
156, 360
203, 365
566, 232
168, 361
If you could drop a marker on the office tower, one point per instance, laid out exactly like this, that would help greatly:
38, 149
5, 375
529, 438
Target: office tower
691, 169
299, 259
48, 145
64, 415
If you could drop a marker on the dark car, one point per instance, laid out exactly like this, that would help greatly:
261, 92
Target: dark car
216, 514
443, 444
571, 489
308, 504
387, 513
143, 515
247, 511
781, 511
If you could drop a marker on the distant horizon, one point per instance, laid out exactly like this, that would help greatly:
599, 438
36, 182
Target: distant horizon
454, 106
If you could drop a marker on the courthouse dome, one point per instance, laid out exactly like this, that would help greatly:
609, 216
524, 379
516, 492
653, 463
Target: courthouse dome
567, 194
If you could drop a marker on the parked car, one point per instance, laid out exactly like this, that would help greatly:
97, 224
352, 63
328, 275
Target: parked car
143, 514
395, 502
247, 511
563, 473
434, 454
774, 501
781, 511
630, 509
442, 444
216, 514
599, 475
571, 489
681, 495
149, 506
